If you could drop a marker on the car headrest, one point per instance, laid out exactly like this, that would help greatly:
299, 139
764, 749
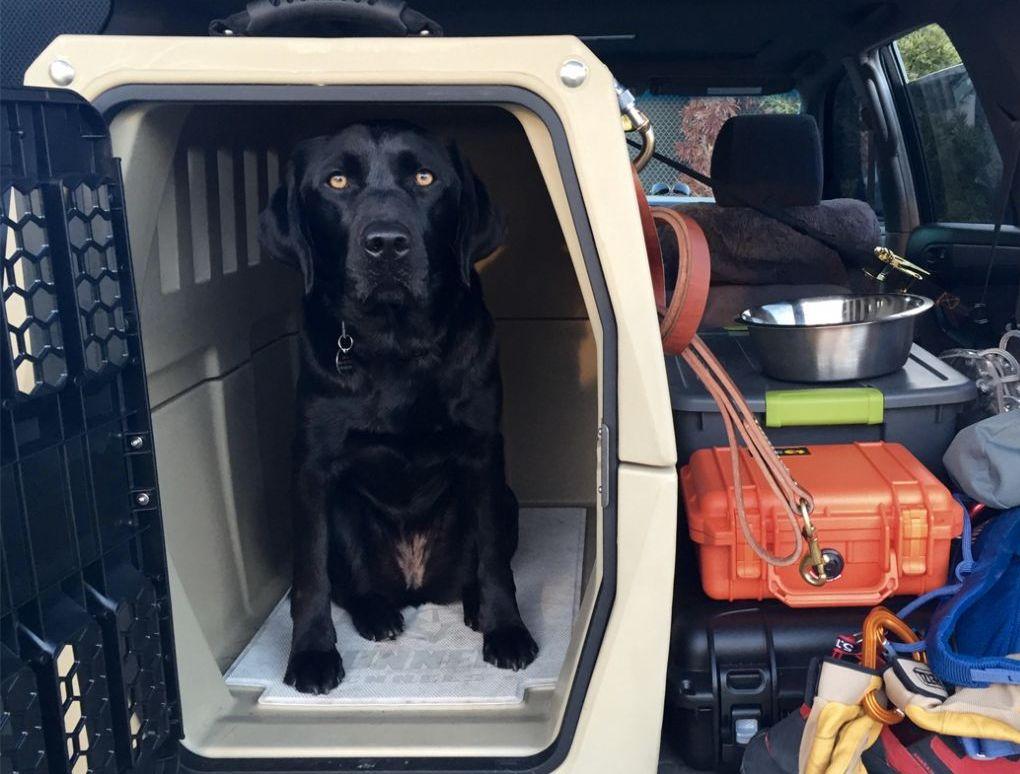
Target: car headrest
770, 160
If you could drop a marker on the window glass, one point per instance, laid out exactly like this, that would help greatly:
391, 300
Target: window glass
854, 161
961, 160
686, 128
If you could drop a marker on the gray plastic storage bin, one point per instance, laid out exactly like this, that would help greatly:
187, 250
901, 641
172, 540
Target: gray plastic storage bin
919, 403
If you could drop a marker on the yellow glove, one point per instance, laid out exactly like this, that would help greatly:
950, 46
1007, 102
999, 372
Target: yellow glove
992, 712
838, 730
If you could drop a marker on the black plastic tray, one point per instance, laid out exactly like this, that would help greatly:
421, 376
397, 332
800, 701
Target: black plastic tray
923, 401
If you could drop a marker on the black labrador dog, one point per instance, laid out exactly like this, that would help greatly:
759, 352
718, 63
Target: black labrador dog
399, 484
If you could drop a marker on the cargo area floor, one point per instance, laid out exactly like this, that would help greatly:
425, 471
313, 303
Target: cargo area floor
437, 659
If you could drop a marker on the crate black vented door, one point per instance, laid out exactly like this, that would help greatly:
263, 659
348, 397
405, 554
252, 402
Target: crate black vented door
88, 679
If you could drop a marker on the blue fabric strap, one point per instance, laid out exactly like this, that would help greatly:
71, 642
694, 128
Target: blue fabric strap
963, 568
988, 749
992, 675
982, 612
973, 631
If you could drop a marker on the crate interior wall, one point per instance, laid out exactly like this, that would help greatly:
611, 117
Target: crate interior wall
220, 346
84, 609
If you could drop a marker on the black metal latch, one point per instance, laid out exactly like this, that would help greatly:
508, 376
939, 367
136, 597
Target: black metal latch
326, 19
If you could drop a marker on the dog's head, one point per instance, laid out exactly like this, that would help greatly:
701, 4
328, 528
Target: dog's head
381, 213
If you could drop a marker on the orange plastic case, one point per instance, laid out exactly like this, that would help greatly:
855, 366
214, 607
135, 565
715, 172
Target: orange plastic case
882, 510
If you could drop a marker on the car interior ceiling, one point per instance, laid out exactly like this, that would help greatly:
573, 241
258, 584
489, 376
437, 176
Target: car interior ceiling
675, 47
691, 48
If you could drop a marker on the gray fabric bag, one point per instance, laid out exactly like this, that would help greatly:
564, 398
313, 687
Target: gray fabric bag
984, 459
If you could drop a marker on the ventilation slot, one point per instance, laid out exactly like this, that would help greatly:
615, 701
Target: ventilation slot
22, 746
228, 208
132, 637
96, 277
251, 206
32, 320
198, 203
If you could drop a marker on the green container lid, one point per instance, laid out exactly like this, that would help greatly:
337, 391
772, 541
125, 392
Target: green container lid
824, 406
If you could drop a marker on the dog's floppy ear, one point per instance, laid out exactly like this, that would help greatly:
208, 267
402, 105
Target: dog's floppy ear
480, 229
282, 230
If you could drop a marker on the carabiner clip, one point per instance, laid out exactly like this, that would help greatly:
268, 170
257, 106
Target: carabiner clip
879, 621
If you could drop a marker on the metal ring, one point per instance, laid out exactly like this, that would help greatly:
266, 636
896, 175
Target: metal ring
345, 343
884, 715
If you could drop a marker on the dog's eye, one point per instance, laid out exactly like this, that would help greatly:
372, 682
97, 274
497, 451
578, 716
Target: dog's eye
337, 180
424, 178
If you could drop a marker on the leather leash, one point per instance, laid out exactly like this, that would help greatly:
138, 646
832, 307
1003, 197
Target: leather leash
680, 312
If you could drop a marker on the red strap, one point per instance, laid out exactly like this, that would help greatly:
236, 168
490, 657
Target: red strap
679, 324
679, 320
652, 246
678, 327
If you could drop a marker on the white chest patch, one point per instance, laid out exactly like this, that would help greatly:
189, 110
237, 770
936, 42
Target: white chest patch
412, 556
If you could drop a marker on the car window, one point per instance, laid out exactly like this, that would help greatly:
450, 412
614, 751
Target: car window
852, 167
961, 162
686, 128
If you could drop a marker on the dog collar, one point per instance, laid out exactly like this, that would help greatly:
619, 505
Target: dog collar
344, 345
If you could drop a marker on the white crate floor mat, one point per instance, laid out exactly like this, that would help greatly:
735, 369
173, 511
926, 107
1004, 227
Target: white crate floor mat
437, 659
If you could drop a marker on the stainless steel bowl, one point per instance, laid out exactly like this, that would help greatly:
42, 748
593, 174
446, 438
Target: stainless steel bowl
834, 338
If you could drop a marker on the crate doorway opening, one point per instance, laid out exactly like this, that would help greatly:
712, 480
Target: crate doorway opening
220, 322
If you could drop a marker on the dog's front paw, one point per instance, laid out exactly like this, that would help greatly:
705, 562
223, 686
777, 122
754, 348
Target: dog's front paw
314, 671
469, 600
509, 647
376, 619
471, 618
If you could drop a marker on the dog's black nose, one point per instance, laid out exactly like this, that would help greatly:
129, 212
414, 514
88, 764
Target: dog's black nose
386, 239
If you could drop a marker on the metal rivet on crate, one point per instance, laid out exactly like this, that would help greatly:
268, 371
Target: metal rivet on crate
143, 498
136, 442
61, 72
573, 73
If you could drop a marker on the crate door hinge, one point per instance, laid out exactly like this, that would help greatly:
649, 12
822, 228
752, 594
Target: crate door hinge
602, 437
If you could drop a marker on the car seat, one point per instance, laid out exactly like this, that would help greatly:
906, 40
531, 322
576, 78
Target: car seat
774, 161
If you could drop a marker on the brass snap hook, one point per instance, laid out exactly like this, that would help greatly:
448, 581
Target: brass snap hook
833, 562
901, 264
809, 572
812, 566
890, 263
635, 120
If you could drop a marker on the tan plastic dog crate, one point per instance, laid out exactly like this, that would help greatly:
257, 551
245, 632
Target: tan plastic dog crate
202, 128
